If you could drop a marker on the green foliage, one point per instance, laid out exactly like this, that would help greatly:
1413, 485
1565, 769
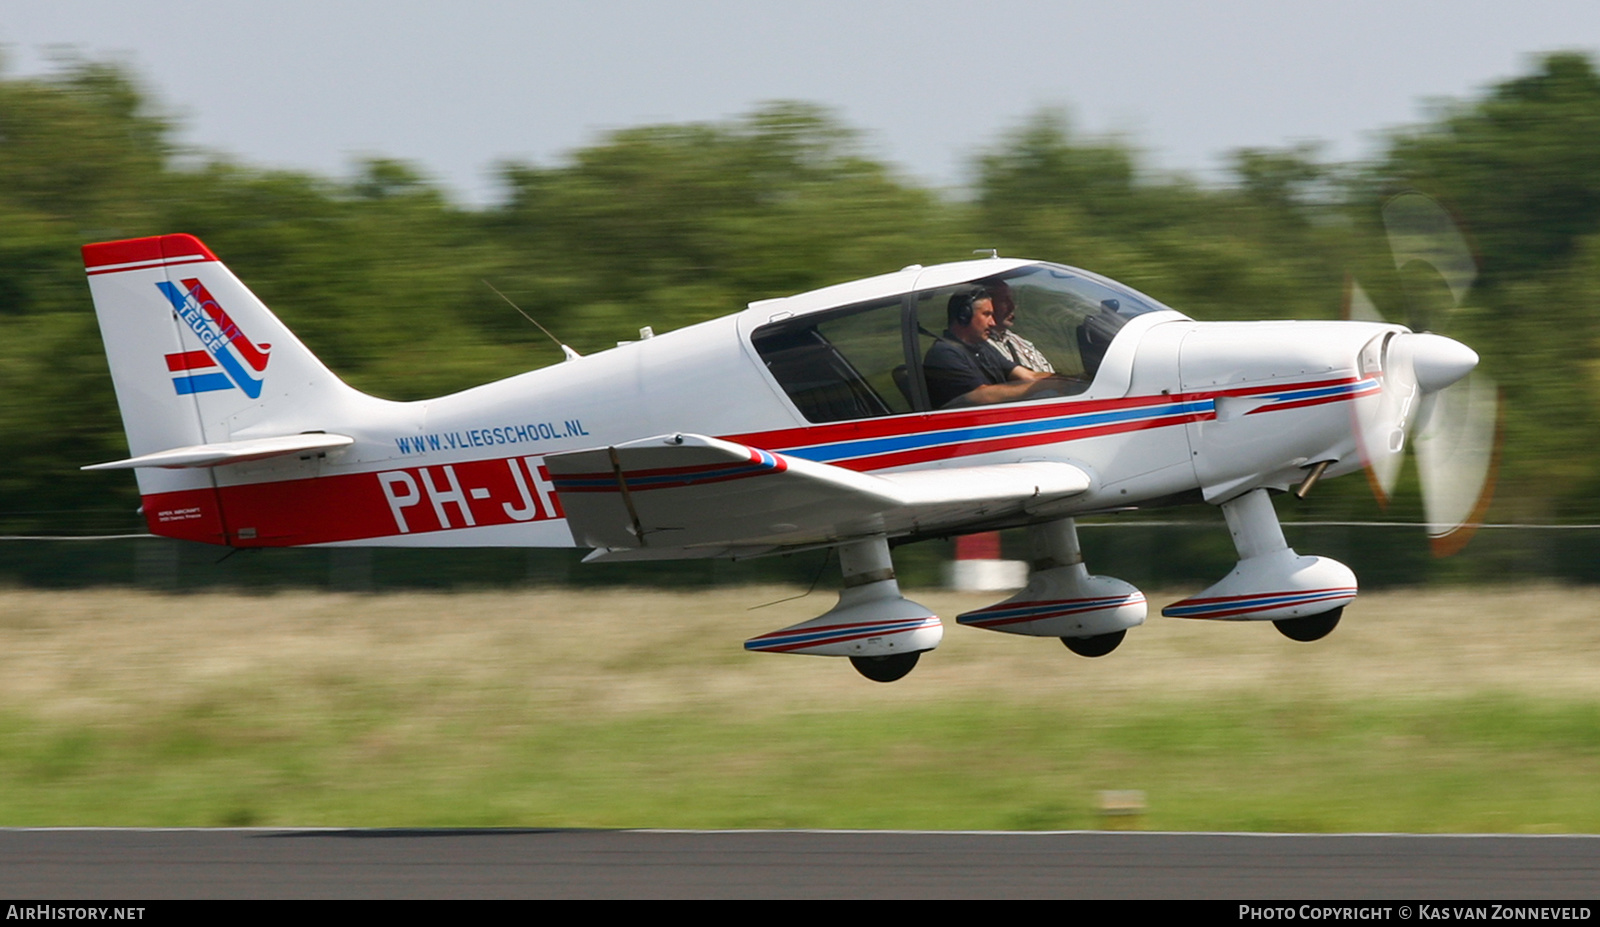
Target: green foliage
668, 225
1518, 165
81, 147
671, 225
1250, 252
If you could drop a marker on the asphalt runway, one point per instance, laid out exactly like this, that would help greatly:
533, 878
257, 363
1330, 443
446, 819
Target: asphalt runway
82, 864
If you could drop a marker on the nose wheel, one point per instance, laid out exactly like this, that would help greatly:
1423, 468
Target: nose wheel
1311, 627
1097, 646
887, 668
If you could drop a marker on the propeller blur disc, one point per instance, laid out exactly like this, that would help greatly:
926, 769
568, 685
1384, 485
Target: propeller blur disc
1453, 422
1458, 450
1423, 235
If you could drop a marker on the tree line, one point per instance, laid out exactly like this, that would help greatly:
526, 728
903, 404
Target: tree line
383, 276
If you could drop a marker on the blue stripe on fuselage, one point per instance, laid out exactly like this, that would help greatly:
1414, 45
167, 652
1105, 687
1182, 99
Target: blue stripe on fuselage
871, 447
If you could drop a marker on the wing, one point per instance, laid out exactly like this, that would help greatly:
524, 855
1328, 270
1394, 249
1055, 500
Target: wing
687, 495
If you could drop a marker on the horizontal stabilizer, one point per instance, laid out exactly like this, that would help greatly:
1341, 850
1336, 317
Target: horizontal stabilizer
231, 452
686, 492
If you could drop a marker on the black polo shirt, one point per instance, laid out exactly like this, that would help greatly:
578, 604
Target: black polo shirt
955, 368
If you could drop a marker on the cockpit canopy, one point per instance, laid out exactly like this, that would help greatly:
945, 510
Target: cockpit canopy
868, 359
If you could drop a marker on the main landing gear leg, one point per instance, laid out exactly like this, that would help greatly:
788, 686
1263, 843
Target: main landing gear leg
882, 632
1090, 614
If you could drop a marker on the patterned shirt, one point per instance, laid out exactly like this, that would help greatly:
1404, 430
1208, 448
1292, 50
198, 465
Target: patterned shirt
1021, 350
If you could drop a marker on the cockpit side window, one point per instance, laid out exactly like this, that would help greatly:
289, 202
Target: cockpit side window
842, 365
1054, 321
873, 359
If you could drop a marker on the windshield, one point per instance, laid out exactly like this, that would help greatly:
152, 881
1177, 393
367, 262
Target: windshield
1071, 315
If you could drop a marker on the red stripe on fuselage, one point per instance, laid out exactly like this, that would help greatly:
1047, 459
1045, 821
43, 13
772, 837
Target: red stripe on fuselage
789, 439
1316, 401
352, 507
993, 445
675, 477
357, 506
812, 435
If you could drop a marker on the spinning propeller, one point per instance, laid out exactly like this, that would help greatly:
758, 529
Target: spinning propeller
1431, 398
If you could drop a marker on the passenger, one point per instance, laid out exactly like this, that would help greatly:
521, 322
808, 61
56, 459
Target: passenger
964, 368
1012, 345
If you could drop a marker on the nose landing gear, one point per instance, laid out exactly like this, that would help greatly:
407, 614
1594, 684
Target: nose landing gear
1097, 646
886, 669
1313, 628
1303, 596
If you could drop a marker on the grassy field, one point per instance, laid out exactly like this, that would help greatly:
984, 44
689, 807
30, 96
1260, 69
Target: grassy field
1464, 710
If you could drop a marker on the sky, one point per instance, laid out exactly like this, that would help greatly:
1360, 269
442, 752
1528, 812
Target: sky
458, 88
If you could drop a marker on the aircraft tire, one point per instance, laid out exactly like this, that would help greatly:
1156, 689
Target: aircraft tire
886, 669
1311, 627
1097, 646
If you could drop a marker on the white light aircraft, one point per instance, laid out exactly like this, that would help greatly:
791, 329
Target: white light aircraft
847, 417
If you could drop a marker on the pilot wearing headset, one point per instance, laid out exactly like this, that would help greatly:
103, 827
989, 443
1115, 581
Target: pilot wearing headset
1009, 342
963, 368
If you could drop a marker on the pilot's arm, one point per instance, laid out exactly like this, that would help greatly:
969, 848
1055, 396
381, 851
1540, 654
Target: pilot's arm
1022, 384
960, 376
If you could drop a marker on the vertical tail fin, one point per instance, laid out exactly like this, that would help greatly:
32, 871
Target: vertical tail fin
197, 359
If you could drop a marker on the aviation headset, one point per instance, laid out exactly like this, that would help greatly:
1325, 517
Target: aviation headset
959, 310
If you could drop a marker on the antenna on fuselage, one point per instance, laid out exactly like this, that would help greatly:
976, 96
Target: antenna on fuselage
568, 353
992, 252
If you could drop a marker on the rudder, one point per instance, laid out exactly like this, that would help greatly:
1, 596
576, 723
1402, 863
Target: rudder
197, 359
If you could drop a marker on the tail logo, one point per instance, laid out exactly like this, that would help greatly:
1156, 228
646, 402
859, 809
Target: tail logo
225, 345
